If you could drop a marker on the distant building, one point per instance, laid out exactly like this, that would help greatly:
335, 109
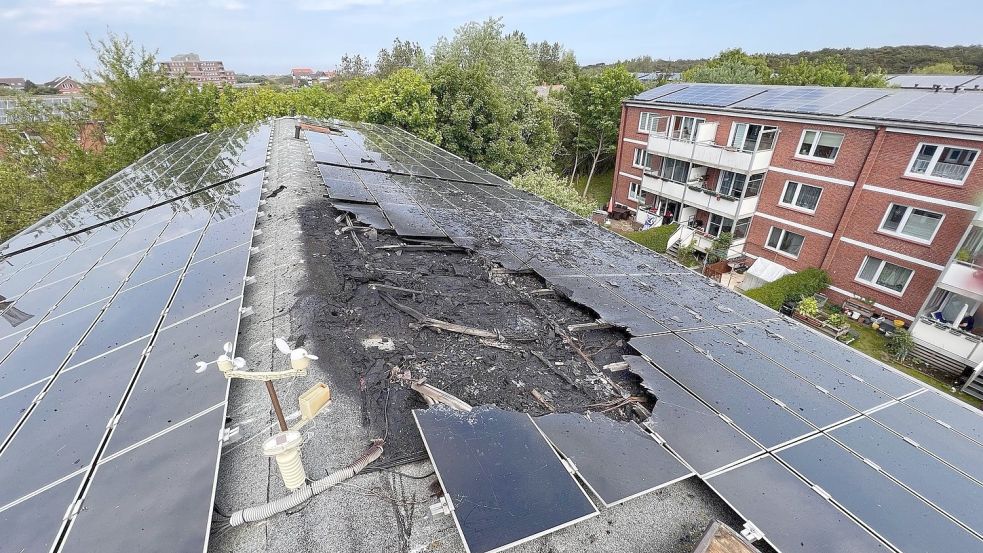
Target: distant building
192, 68
65, 85
657, 76
302, 75
15, 83
325, 76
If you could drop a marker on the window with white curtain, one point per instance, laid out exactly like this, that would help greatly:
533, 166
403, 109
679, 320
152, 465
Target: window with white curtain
822, 145
801, 196
911, 222
881, 274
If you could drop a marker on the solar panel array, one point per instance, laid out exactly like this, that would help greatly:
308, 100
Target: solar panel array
104, 423
737, 388
929, 81
890, 104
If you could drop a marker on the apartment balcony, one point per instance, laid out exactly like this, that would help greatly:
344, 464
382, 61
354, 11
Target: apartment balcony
964, 279
962, 348
695, 195
699, 148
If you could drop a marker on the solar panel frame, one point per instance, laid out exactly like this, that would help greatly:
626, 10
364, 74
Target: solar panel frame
814, 100
711, 94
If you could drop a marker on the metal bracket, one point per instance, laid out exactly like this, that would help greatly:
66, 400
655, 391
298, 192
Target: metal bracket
751, 532
73, 510
822, 492
250, 280
230, 435
245, 311
441, 507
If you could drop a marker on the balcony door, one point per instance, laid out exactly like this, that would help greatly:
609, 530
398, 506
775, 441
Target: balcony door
684, 127
746, 137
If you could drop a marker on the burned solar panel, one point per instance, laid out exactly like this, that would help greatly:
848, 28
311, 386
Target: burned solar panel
504, 483
697, 433
618, 461
768, 422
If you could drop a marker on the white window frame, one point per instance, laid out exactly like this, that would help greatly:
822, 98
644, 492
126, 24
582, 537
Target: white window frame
635, 191
904, 219
646, 156
798, 190
819, 135
782, 237
873, 281
650, 120
927, 175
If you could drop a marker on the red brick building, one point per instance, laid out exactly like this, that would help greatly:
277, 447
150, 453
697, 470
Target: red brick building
879, 187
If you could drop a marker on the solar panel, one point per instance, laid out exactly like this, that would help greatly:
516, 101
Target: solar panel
951, 491
929, 81
768, 422
693, 430
792, 516
712, 95
96, 309
891, 511
521, 490
660, 91
964, 108
952, 413
618, 461
818, 100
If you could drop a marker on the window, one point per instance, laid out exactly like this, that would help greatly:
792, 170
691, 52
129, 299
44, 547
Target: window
642, 159
820, 145
736, 184
942, 163
746, 137
784, 241
741, 228
634, 191
802, 196
911, 222
675, 170
647, 122
719, 224
684, 128
882, 274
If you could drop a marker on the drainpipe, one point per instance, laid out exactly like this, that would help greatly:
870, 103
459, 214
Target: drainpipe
617, 156
851, 205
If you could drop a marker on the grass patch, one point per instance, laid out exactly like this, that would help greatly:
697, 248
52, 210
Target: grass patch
874, 344
654, 238
600, 186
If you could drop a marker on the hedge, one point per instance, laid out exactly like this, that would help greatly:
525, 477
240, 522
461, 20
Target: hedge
790, 287
656, 238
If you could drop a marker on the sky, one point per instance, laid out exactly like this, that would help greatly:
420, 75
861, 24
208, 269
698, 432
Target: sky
42, 39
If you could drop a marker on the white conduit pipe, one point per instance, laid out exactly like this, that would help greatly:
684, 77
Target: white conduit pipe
260, 512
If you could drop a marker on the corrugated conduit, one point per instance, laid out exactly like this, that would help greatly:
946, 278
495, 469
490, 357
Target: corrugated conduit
261, 512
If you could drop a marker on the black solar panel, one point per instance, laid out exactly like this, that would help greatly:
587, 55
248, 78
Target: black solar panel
817, 100
521, 490
711, 95
964, 108
81, 376
659, 91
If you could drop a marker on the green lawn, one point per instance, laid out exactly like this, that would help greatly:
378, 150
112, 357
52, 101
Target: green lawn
874, 345
600, 186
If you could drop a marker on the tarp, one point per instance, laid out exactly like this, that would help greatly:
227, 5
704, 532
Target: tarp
762, 272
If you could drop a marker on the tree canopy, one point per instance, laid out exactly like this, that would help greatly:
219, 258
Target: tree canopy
737, 66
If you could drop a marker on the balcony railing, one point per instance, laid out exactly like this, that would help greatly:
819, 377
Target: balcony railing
707, 152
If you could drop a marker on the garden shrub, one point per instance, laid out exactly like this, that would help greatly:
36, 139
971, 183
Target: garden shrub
790, 287
656, 238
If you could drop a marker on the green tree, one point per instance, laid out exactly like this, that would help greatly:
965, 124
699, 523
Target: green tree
596, 100
238, 106
403, 99
353, 67
940, 68
554, 63
549, 186
403, 54
140, 106
831, 71
731, 66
